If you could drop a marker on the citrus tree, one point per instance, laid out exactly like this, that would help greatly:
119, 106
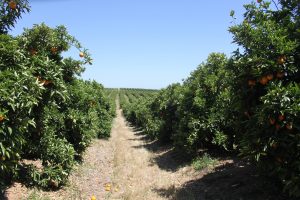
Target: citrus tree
10, 11
267, 88
46, 112
205, 107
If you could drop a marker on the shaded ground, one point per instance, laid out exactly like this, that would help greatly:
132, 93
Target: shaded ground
86, 180
138, 168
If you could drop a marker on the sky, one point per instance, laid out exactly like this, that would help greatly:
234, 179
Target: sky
140, 43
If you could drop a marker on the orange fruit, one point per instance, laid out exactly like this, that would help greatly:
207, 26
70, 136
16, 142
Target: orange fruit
12, 5
33, 52
251, 82
272, 121
53, 50
43, 81
270, 77
93, 198
259, 1
1, 118
2, 158
281, 117
263, 80
281, 60
107, 186
280, 74
47, 82
274, 145
81, 54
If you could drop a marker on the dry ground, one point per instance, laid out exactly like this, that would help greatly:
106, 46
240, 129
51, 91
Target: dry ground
138, 168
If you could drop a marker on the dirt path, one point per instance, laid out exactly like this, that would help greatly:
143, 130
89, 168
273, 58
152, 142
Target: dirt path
129, 166
136, 175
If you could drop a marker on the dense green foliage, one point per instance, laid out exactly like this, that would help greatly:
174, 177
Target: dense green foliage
192, 115
46, 112
248, 103
9, 16
112, 95
266, 88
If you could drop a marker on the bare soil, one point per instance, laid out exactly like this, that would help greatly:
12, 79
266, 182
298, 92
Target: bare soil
130, 166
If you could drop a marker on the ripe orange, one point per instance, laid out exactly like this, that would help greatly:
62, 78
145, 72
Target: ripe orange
54, 50
270, 77
47, 82
12, 5
107, 187
1, 118
263, 80
251, 82
43, 81
281, 117
93, 198
272, 121
81, 54
280, 74
33, 52
281, 60
274, 145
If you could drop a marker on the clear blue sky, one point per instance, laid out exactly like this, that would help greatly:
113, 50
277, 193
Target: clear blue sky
141, 43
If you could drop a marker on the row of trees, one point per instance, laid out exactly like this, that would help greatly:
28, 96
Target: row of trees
248, 103
46, 112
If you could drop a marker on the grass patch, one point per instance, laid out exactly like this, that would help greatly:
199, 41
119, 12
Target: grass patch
205, 161
35, 196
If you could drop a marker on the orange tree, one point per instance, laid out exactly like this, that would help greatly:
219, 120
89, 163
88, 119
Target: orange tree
46, 113
267, 88
143, 111
10, 11
205, 118
164, 109
192, 115
17, 85
20, 92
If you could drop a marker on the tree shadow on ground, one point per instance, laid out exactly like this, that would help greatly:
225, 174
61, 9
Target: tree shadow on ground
233, 181
4, 185
3, 196
166, 157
